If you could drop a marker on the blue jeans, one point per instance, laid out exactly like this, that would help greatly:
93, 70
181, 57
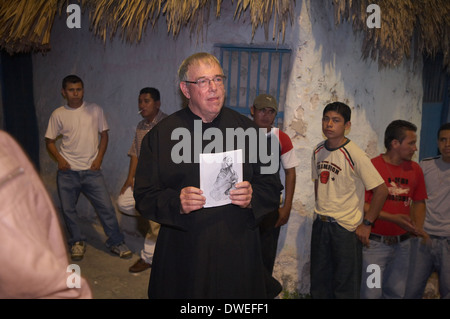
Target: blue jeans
426, 258
393, 261
336, 257
92, 185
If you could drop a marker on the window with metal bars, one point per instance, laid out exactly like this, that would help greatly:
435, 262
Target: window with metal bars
253, 70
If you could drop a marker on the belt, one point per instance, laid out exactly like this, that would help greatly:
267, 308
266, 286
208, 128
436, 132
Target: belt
439, 237
390, 240
327, 219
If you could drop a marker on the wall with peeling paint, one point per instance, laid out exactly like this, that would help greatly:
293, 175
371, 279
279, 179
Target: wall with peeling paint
327, 68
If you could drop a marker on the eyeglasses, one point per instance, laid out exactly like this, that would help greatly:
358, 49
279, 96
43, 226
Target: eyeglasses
204, 82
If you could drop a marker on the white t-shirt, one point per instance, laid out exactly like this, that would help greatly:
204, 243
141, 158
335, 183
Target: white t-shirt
287, 152
80, 130
343, 175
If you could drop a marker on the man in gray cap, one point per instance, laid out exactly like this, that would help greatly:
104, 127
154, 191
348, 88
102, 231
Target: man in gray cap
264, 110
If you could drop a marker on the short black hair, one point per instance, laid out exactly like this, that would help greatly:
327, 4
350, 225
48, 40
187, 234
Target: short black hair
341, 108
154, 93
396, 130
444, 127
72, 78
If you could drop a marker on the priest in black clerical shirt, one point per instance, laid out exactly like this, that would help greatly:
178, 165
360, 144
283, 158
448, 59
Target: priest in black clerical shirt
203, 252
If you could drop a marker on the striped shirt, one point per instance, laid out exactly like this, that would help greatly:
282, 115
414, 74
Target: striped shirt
142, 129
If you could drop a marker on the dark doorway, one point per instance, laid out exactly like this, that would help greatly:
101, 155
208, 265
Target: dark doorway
435, 107
19, 112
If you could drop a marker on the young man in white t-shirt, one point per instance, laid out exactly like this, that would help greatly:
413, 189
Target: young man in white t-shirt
341, 172
79, 166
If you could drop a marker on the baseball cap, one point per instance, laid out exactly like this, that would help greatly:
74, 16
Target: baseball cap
265, 100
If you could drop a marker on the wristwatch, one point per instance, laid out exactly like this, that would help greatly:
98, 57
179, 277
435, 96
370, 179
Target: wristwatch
368, 222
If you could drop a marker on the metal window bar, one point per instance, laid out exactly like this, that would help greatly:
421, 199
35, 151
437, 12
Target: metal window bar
259, 70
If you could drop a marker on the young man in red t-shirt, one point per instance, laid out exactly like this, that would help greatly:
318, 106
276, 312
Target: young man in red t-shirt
389, 247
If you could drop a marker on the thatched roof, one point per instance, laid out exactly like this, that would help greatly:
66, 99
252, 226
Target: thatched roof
25, 25
408, 27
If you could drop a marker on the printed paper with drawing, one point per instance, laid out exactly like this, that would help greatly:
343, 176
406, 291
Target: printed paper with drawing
219, 172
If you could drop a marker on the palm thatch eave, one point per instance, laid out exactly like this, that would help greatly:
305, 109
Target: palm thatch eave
25, 25
408, 27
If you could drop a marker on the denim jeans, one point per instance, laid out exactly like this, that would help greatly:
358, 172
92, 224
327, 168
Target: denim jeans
393, 262
426, 258
92, 185
336, 256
